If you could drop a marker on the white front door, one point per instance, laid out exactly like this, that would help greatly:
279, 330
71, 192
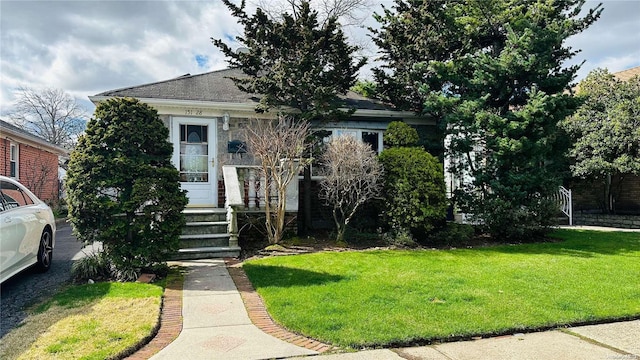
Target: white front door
194, 154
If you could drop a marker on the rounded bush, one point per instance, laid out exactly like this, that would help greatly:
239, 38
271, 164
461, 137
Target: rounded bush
399, 134
414, 191
122, 189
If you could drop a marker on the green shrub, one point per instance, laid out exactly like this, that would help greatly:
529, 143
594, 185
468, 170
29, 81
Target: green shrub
123, 190
529, 222
453, 234
399, 238
414, 191
400, 134
95, 266
126, 274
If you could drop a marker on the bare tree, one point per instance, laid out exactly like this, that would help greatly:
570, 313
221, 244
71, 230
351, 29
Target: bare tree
348, 12
51, 114
352, 172
278, 146
41, 175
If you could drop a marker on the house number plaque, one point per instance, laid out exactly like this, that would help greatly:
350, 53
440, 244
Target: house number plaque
193, 112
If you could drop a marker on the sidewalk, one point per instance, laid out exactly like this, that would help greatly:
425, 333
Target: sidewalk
596, 228
215, 322
216, 325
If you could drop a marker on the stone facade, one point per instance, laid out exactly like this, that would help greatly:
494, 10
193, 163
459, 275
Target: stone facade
619, 221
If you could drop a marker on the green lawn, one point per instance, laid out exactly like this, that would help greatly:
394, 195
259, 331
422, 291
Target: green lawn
378, 298
90, 321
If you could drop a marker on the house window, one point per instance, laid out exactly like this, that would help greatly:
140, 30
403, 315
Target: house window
13, 161
194, 153
371, 137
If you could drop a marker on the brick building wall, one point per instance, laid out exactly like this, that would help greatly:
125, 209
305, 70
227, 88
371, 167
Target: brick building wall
4, 155
37, 169
589, 196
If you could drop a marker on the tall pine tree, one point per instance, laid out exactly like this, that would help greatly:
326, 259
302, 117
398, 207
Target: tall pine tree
294, 63
493, 70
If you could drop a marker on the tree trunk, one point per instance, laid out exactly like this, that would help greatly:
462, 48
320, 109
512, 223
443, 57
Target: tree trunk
608, 196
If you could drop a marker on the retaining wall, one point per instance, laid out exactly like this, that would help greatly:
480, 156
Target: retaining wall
620, 221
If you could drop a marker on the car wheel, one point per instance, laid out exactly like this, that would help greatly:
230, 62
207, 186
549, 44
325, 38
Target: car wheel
45, 252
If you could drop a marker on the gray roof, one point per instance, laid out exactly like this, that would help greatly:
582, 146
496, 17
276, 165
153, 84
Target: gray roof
216, 86
9, 127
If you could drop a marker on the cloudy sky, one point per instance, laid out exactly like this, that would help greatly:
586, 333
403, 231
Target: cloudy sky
89, 46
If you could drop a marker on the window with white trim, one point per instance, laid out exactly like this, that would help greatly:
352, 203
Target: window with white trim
13, 161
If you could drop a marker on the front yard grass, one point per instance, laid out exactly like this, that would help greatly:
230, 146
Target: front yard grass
397, 297
91, 321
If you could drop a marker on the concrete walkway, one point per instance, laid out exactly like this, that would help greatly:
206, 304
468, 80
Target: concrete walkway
596, 228
215, 322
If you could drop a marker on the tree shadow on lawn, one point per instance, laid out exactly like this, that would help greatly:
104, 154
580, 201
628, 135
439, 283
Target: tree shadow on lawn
576, 243
282, 276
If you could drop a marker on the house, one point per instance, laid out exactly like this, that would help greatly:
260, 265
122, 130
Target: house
206, 115
31, 160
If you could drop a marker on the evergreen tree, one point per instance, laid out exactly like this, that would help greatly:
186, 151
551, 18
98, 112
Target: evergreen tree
296, 65
294, 62
122, 189
411, 34
493, 70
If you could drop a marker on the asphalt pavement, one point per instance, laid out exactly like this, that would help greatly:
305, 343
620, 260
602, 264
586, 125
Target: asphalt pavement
31, 286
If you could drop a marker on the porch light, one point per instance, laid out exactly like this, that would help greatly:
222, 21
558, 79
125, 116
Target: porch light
225, 122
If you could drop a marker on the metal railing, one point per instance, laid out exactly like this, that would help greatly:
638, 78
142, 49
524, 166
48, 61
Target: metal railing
565, 202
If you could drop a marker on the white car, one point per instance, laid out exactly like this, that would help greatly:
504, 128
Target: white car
27, 230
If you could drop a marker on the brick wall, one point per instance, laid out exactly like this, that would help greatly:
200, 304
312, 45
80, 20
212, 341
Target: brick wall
4, 151
588, 196
37, 169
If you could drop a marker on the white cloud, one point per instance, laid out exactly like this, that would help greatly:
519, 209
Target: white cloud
89, 46
86, 47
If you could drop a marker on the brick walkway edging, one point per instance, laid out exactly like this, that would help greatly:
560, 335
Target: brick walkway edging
170, 321
259, 315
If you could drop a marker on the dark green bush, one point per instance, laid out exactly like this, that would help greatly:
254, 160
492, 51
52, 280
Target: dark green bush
453, 234
529, 222
414, 191
122, 189
399, 238
400, 134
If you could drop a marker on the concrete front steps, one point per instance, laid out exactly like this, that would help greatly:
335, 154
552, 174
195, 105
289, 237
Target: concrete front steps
205, 235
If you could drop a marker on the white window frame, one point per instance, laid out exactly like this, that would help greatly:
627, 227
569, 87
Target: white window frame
14, 157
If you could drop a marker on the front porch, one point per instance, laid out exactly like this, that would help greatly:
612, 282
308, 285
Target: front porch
212, 232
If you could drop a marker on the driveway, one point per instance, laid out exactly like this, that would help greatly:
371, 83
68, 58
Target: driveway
30, 287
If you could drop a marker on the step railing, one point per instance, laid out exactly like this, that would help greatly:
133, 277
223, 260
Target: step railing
563, 196
244, 192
